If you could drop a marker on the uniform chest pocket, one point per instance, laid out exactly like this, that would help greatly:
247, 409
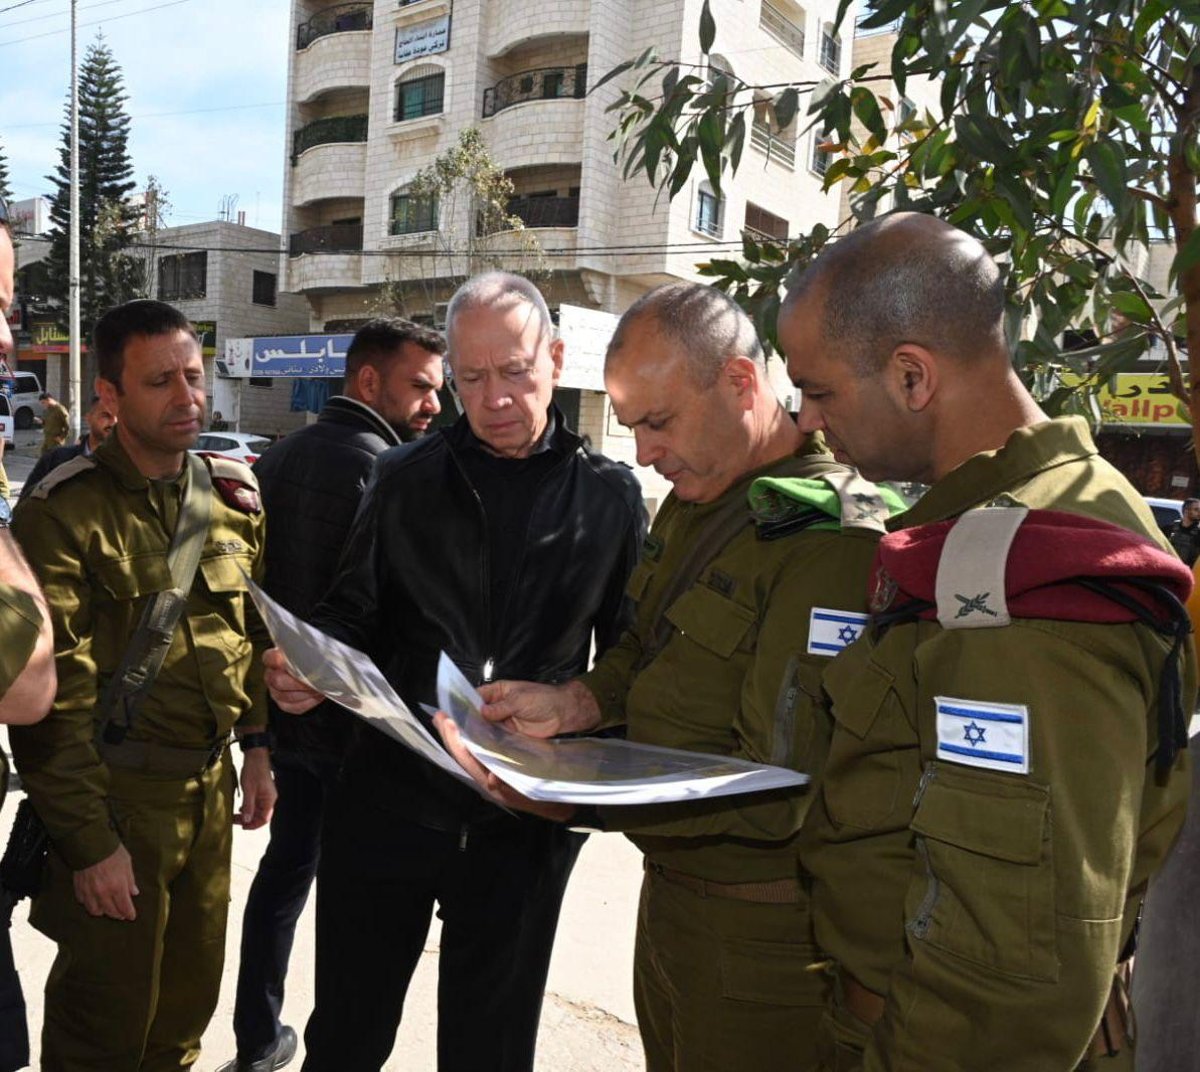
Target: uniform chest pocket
987, 894
224, 573
639, 579
712, 620
133, 576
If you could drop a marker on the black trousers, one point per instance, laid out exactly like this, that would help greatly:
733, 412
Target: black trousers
277, 897
498, 889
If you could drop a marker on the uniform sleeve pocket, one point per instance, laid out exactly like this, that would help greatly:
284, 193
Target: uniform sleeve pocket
773, 973
712, 620
132, 576
223, 573
987, 894
638, 580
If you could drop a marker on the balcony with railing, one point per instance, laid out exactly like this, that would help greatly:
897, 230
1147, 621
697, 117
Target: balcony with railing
777, 148
331, 238
341, 128
781, 27
543, 84
546, 211
343, 18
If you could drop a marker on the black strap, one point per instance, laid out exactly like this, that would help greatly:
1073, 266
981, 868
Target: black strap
148, 646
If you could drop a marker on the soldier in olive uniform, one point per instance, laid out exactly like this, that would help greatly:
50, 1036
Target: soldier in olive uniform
26, 642
55, 421
738, 610
139, 807
1000, 786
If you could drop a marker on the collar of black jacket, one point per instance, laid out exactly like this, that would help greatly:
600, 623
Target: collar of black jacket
341, 409
557, 436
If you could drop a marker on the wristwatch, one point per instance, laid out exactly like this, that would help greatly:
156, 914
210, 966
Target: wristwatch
5, 513
254, 740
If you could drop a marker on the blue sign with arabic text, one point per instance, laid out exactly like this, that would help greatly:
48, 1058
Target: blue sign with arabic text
321, 356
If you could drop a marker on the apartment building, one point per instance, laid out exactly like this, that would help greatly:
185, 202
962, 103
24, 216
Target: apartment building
378, 90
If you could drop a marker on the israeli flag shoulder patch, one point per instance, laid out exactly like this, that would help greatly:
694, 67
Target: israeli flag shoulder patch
830, 631
980, 734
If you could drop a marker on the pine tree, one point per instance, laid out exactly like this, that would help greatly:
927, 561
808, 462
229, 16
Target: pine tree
107, 221
5, 189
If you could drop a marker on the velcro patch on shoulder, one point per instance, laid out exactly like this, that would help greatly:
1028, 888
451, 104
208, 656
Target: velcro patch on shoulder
994, 736
862, 505
60, 474
971, 576
830, 631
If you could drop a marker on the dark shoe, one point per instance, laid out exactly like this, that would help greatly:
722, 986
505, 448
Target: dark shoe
281, 1054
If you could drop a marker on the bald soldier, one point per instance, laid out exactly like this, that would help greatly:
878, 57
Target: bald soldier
1004, 774
753, 576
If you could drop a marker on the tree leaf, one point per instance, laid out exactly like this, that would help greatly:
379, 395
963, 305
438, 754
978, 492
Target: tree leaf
708, 29
1108, 169
786, 105
1187, 258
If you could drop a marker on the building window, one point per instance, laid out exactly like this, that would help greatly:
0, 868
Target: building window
831, 50
709, 209
263, 292
821, 158
764, 224
411, 215
183, 276
420, 96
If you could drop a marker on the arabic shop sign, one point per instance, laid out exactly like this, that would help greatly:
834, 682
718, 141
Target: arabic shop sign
422, 39
206, 332
1142, 398
299, 355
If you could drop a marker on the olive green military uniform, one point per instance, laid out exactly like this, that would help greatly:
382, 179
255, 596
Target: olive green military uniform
721, 974
986, 909
138, 995
20, 623
56, 426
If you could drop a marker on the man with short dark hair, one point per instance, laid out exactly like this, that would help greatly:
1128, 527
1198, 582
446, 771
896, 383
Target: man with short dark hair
503, 542
130, 772
1007, 764
312, 482
100, 422
1185, 533
55, 422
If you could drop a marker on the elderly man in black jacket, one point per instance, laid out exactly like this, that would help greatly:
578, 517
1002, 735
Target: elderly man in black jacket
312, 483
504, 541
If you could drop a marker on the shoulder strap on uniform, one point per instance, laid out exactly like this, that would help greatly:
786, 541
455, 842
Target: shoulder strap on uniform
152, 638
60, 474
863, 504
230, 469
971, 587
236, 484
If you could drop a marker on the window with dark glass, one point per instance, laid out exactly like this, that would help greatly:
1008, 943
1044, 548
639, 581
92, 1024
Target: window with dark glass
182, 276
708, 213
831, 51
411, 215
263, 289
420, 96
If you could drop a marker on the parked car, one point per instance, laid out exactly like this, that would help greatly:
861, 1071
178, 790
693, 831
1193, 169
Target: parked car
240, 446
1166, 511
7, 423
22, 389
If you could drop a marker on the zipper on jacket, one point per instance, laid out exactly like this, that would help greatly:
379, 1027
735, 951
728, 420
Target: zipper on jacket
485, 570
919, 925
489, 668
464, 832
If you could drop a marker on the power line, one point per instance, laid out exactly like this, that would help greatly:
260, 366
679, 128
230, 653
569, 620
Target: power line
97, 22
58, 14
23, 3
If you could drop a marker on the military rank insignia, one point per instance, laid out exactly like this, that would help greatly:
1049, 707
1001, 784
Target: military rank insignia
239, 496
830, 631
990, 735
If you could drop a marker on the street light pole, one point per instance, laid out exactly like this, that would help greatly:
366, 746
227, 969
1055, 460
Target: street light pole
73, 347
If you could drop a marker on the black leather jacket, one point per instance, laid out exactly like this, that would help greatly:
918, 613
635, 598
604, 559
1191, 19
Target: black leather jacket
414, 581
312, 482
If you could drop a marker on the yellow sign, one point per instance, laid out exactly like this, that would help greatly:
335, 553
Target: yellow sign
1138, 398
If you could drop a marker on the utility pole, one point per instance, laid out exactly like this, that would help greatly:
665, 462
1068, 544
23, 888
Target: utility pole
73, 347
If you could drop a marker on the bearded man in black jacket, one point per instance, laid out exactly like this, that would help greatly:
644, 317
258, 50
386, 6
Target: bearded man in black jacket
504, 541
312, 482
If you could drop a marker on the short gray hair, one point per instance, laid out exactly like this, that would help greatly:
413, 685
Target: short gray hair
497, 290
707, 325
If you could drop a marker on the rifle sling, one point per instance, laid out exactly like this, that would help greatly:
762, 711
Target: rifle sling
144, 656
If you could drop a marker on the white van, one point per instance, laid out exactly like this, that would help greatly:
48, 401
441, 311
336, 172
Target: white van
7, 424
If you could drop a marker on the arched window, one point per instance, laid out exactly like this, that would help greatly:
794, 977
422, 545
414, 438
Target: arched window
710, 211
420, 92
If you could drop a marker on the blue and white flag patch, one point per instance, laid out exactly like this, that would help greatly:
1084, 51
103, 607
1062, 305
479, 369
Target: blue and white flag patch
991, 735
829, 631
